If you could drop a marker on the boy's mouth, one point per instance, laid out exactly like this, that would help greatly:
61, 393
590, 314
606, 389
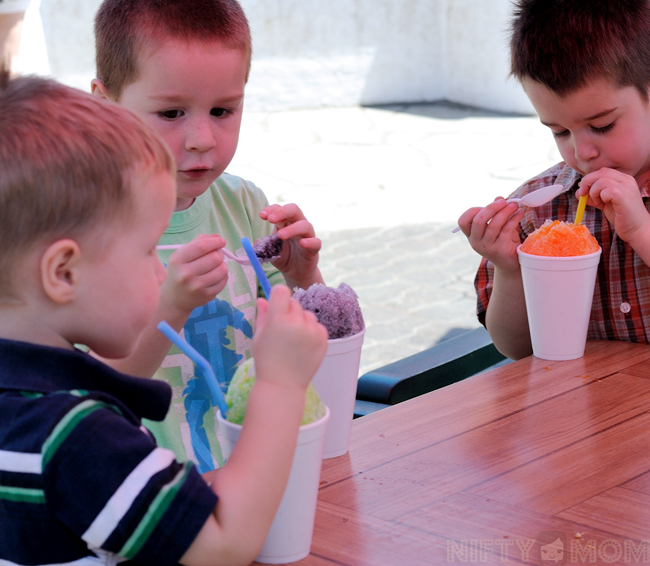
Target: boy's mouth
195, 173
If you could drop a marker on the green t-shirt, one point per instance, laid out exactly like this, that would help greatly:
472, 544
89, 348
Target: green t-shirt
221, 330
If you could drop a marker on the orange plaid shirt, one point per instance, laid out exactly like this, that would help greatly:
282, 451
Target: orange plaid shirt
621, 305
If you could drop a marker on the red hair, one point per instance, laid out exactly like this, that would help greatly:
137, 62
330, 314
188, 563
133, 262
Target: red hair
124, 27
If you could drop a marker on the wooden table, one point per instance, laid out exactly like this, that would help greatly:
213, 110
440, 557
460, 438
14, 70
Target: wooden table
479, 471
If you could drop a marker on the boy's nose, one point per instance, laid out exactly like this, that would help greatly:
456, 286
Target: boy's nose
585, 150
200, 136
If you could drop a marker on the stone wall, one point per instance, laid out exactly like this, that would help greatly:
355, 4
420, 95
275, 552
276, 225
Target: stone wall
313, 53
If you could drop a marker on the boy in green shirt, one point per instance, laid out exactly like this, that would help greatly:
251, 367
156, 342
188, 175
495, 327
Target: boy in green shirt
182, 67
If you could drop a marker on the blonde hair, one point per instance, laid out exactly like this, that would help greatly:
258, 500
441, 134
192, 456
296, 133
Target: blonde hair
67, 164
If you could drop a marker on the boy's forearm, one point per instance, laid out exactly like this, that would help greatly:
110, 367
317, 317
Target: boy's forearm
506, 319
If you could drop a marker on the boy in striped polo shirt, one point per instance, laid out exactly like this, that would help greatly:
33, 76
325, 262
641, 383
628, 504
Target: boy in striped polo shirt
86, 190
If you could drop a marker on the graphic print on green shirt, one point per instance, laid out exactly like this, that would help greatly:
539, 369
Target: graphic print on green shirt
222, 329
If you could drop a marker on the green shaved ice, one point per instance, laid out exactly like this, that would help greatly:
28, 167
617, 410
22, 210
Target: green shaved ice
314, 407
238, 390
241, 385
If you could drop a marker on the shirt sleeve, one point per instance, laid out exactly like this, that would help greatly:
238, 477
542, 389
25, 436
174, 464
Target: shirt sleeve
483, 285
108, 482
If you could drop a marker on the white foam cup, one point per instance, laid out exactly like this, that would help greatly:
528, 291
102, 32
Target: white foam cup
336, 383
289, 538
559, 292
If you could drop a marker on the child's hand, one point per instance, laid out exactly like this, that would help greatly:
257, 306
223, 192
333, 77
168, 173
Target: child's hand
618, 196
196, 273
299, 259
492, 232
289, 343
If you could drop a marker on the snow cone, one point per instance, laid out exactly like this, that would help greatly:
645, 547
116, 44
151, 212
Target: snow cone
559, 264
337, 309
289, 538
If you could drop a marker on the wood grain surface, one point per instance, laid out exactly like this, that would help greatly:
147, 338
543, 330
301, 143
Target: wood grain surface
492, 469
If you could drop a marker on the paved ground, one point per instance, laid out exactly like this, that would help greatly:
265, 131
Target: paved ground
384, 188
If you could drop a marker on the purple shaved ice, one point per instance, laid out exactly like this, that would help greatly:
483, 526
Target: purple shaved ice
336, 309
268, 248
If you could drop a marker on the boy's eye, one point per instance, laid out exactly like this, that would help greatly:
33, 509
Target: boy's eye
560, 134
218, 112
170, 114
604, 129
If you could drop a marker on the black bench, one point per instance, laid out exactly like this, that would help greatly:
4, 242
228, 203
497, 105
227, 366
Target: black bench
443, 364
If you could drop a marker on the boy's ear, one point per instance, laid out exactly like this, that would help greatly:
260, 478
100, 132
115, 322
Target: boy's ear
98, 88
60, 271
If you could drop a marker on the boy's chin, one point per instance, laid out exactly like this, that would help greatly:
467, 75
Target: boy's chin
114, 351
190, 188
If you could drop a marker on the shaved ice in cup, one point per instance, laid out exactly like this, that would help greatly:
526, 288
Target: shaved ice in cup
336, 379
560, 239
337, 309
290, 535
559, 264
241, 385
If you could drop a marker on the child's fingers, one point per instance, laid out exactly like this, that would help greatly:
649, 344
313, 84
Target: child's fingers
279, 302
510, 225
264, 213
212, 279
207, 263
311, 244
312, 323
199, 247
504, 222
284, 215
297, 229
466, 219
312, 330
490, 220
604, 176
262, 308
295, 311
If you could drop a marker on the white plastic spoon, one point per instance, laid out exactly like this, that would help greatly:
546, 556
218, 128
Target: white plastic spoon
536, 198
242, 260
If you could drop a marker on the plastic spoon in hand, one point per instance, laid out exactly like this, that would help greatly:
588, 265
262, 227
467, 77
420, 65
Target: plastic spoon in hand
536, 198
229, 254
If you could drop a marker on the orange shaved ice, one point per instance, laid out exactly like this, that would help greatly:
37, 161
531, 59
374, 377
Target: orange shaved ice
560, 239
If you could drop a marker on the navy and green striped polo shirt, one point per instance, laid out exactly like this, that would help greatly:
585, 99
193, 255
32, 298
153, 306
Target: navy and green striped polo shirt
81, 481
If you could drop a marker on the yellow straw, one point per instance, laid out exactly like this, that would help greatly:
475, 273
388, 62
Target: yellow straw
581, 208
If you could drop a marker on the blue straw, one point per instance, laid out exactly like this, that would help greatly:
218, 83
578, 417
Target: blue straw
257, 266
218, 399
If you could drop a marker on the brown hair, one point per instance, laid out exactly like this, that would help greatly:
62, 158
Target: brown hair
565, 43
67, 164
123, 28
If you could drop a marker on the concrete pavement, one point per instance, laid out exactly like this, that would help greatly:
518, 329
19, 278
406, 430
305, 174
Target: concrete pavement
384, 187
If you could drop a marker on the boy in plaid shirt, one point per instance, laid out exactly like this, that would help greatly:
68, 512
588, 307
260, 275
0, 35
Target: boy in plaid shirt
585, 66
